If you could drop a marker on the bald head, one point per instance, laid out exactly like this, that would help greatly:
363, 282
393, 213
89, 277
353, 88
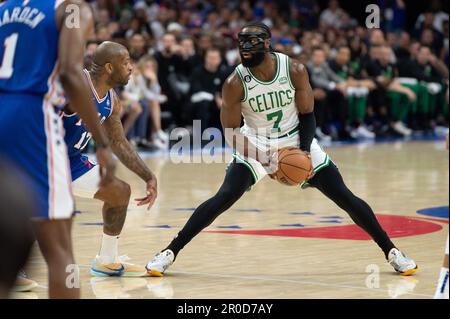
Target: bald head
111, 61
107, 51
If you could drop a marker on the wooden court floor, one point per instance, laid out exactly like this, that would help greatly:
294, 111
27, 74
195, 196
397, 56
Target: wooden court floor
277, 241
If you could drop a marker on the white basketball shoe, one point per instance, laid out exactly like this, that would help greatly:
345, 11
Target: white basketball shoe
159, 264
401, 263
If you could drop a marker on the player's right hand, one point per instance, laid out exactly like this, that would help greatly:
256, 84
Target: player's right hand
107, 165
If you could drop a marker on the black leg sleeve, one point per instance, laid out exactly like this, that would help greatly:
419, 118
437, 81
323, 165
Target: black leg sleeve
237, 180
329, 181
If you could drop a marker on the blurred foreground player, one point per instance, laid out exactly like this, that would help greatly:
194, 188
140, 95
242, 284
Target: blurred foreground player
41, 45
442, 286
17, 202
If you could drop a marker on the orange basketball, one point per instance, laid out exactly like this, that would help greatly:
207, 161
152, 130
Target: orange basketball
293, 166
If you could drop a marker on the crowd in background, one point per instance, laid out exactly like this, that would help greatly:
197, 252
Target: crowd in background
367, 82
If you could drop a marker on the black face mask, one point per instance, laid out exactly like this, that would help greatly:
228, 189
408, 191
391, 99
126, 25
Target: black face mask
253, 43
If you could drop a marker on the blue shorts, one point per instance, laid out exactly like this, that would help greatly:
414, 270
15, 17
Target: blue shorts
32, 137
79, 165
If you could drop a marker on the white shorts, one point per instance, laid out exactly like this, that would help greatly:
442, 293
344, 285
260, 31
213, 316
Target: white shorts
319, 158
87, 185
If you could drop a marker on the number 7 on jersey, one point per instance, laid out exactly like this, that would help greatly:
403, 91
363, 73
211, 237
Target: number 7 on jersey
278, 115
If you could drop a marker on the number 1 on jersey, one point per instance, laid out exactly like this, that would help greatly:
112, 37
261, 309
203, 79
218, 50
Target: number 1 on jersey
6, 64
278, 115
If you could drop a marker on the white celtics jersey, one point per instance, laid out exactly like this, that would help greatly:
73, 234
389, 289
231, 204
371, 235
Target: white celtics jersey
269, 107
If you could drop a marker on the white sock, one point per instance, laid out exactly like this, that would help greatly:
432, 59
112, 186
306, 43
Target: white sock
442, 287
108, 250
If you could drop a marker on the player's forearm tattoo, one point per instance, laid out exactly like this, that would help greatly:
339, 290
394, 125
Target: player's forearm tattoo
125, 152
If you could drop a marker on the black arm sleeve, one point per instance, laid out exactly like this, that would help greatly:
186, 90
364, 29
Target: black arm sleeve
307, 130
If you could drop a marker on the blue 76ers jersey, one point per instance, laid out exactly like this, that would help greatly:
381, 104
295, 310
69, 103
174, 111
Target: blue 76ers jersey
77, 136
28, 46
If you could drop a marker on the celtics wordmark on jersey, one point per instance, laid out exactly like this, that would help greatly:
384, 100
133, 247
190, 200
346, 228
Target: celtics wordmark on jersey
269, 106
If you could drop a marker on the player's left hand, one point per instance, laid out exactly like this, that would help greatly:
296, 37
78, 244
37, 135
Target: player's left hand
152, 193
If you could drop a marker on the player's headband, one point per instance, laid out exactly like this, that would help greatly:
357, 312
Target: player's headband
252, 41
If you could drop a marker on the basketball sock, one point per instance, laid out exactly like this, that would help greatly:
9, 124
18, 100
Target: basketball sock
174, 246
329, 181
237, 180
108, 250
442, 286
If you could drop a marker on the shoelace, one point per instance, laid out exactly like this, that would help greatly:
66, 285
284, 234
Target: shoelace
400, 259
159, 256
403, 258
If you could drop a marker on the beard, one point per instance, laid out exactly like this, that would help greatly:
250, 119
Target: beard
124, 81
117, 79
256, 59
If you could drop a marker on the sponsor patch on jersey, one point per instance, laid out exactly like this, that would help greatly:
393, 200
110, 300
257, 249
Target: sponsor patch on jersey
283, 80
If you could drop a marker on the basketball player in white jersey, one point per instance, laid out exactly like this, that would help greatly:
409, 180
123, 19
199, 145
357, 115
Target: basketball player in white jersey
273, 94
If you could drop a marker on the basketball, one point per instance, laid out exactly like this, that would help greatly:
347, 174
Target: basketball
293, 166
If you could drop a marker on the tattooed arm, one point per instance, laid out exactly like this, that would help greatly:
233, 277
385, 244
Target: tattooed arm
127, 155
